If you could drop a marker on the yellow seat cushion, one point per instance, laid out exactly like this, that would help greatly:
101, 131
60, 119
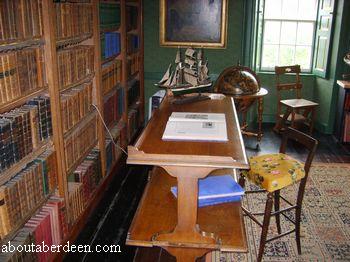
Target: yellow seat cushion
274, 171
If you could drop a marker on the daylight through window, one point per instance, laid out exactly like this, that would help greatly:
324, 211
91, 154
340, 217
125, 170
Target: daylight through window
288, 33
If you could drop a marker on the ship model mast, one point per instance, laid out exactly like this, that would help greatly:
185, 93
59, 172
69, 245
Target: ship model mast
190, 74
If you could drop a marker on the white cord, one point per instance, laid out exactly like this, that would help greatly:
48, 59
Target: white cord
99, 113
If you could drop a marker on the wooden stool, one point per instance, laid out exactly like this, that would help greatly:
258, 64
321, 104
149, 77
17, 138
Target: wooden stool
297, 110
272, 173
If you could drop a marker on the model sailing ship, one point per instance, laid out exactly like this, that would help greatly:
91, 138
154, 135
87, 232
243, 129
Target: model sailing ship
190, 74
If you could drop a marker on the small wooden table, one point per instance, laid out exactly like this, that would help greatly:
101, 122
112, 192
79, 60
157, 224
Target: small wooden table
244, 103
178, 225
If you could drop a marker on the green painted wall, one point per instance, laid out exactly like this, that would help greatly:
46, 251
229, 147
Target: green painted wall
324, 91
158, 58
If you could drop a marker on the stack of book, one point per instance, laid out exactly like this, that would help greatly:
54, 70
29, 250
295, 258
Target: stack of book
133, 64
22, 130
75, 105
111, 45
112, 111
24, 192
22, 20
77, 144
133, 92
131, 18
111, 75
74, 64
215, 190
23, 237
48, 225
20, 74
109, 15
73, 19
109, 154
133, 43
88, 173
76, 201
133, 122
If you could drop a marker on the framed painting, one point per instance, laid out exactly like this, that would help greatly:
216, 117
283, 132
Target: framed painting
193, 23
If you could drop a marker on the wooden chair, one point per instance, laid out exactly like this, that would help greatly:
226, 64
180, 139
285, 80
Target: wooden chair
272, 173
298, 110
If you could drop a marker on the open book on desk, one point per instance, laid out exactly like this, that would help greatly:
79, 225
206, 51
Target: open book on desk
196, 126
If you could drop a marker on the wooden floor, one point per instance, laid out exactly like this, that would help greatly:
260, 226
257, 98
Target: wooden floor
110, 221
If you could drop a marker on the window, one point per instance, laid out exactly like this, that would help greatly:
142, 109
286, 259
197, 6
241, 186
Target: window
288, 31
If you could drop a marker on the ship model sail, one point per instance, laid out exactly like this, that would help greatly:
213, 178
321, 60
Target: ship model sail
190, 74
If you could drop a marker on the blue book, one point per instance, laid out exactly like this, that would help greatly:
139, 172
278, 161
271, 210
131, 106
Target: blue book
216, 189
107, 44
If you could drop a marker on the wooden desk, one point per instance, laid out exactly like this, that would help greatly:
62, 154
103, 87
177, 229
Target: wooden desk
244, 103
179, 226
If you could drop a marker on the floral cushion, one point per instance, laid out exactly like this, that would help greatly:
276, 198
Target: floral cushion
274, 171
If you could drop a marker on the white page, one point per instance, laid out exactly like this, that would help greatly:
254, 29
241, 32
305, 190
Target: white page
191, 116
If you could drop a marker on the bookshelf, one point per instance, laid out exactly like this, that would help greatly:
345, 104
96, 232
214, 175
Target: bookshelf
342, 125
84, 63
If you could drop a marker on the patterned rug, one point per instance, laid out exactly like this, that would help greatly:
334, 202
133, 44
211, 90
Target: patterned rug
325, 227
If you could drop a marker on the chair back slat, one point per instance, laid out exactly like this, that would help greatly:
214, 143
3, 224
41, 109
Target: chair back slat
307, 141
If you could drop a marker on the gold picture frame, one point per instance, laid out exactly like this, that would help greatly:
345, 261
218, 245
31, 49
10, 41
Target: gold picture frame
199, 23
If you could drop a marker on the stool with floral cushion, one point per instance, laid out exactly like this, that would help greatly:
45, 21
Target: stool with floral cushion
272, 173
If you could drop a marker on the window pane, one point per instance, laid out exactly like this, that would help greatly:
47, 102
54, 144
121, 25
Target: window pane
286, 55
273, 8
289, 9
270, 56
305, 33
272, 32
288, 33
303, 57
307, 9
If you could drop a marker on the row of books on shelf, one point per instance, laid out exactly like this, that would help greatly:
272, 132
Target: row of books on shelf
133, 64
110, 44
74, 64
51, 223
20, 20
46, 227
113, 106
132, 17
73, 19
132, 43
22, 130
80, 141
21, 73
109, 15
133, 92
111, 75
75, 105
113, 149
21, 195
83, 183
133, 122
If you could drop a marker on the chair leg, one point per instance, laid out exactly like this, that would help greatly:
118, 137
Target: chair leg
298, 213
277, 208
265, 227
313, 117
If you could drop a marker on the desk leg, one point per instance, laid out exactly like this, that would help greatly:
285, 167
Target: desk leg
187, 254
260, 116
187, 230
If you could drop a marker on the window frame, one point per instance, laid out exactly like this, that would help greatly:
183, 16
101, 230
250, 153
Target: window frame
260, 40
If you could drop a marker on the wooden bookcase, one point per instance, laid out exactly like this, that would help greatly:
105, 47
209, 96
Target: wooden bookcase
342, 126
52, 47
